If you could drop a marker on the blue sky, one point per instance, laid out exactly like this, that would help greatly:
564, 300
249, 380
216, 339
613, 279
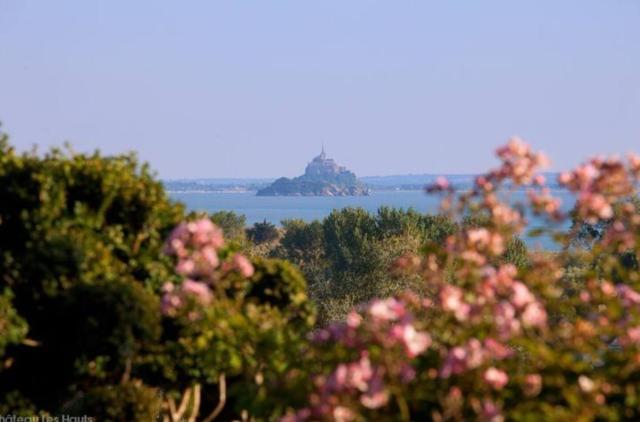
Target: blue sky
253, 88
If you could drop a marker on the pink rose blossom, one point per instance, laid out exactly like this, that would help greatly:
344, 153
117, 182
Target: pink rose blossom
534, 315
354, 319
414, 342
343, 414
496, 349
210, 256
532, 385
496, 378
454, 363
200, 290
632, 336
504, 317
475, 354
376, 395
387, 310
451, 299
629, 296
243, 265
521, 295
491, 412
186, 267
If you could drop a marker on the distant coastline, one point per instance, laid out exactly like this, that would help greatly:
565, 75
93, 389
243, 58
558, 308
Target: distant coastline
399, 183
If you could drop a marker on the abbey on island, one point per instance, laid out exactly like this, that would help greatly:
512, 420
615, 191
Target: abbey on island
322, 177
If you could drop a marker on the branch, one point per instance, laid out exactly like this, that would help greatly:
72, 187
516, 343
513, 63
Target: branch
183, 405
195, 409
222, 383
127, 371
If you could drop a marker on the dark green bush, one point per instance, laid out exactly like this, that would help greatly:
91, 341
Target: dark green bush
80, 248
128, 402
263, 232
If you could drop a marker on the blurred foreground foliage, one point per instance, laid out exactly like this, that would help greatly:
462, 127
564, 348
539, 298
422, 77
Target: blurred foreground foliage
81, 274
116, 304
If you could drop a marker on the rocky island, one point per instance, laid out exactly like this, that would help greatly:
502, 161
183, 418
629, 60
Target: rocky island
322, 177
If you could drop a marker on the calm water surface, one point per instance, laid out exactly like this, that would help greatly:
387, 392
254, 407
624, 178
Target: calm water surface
277, 208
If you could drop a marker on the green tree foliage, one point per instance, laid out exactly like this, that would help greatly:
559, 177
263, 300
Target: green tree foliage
516, 253
263, 232
13, 328
233, 225
347, 256
82, 265
80, 247
129, 401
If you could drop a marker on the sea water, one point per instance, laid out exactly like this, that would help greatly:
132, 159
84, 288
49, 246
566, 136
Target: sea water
275, 209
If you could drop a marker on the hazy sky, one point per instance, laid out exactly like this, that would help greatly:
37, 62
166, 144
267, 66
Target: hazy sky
253, 88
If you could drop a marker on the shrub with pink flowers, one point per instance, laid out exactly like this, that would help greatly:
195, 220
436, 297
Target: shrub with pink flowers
490, 341
100, 319
236, 326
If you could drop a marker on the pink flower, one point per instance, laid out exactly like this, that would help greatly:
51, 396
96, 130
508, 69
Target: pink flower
302, 415
496, 378
376, 395
629, 296
441, 185
483, 184
354, 319
503, 277
565, 178
186, 267
387, 310
205, 232
479, 236
483, 239
521, 296
414, 342
586, 173
496, 349
176, 242
374, 399
534, 315
532, 385
475, 355
632, 336
594, 206
243, 265
343, 414
359, 374
451, 299
210, 256
505, 215
491, 412
539, 180
454, 363
200, 290
170, 303
585, 296
608, 288
504, 317
634, 163
515, 147
544, 202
